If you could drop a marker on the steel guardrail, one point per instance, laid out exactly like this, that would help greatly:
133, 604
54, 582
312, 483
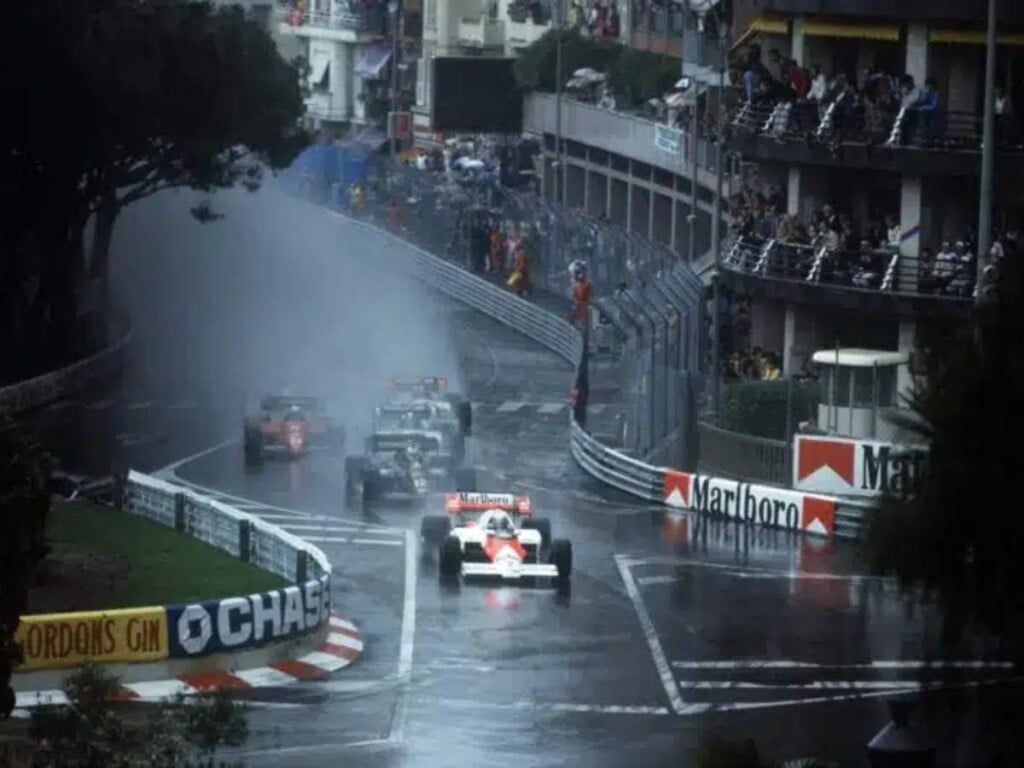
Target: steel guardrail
245, 536
49, 387
605, 464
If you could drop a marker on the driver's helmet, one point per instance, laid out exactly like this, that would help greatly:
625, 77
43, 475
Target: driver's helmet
578, 269
500, 525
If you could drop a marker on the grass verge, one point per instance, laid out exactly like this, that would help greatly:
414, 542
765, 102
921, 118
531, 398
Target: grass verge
105, 558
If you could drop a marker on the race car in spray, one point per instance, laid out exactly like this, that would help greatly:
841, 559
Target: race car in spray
495, 535
290, 426
436, 417
418, 388
404, 463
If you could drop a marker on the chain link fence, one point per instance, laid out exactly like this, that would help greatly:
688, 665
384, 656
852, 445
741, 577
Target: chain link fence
646, 331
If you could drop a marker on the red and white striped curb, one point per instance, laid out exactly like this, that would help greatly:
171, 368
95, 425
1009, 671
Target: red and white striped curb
342, 646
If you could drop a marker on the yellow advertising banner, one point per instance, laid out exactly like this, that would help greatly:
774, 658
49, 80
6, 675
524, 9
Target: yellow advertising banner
68, 639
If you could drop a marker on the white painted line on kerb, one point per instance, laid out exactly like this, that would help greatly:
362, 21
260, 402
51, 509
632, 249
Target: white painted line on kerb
511, 407
327, 539
660, 661
408, 639
551, 408
786, 664
325, 528
539, 706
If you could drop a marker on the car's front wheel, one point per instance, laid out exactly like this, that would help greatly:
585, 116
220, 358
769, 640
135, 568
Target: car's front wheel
561, 558
451, 557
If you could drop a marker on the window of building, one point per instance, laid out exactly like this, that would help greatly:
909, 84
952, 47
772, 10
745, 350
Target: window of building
430, 14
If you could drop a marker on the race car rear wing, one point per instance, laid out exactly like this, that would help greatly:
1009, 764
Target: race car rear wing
454, 503
419, 384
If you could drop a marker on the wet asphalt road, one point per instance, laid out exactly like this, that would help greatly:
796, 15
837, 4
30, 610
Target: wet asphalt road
673, 631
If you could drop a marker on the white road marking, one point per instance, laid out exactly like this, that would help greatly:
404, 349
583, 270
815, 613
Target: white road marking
509, 407
644, 581
596, 408
327, 539
258, 509
786, 664
139, 405
678, 562
552, 408
818, 685
380, 542
461, 664
909, 688
100, 405
408, 639
321, 528
170, 471
647, 625
539, 706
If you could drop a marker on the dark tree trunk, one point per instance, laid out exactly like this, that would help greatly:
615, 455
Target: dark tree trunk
99, 268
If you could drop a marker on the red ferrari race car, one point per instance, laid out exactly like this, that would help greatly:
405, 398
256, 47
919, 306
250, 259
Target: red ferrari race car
495, 535
291, 427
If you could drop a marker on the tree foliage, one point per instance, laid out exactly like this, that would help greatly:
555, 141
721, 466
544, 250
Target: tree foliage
131, 97
24, 505
960, 536
90, 733
635, 76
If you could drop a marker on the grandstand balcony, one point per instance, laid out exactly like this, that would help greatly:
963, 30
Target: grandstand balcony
900, 140
878, 281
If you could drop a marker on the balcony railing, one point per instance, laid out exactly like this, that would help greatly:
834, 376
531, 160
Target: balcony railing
877, 271
481, 32
839, 122
372, 20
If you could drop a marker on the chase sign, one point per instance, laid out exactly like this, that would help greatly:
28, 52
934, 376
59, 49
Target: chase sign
235, 623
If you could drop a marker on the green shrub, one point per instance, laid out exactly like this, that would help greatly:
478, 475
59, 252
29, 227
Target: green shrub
760, 407
635, 76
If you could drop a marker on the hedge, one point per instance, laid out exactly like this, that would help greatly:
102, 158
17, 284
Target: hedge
635, 76
759, 407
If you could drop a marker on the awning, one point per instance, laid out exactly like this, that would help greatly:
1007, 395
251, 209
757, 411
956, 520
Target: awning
887, 32
372, 60
318, 75
970, 37
761, 26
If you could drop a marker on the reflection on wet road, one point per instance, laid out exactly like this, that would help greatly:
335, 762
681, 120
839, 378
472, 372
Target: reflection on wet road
675, 628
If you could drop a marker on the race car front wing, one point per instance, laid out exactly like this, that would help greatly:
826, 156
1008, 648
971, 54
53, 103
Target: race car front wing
509, 569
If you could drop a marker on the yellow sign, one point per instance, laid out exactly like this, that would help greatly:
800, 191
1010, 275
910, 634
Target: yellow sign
69, 639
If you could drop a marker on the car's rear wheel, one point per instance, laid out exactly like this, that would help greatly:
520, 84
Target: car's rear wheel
434, 529
355, 466
561, 558
542, 525
451, 557
253, 447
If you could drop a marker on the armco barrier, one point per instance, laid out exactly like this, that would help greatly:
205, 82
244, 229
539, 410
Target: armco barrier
193, 630
49, 387
758, 504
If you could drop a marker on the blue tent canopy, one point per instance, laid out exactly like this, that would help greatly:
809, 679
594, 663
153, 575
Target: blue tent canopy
329, 164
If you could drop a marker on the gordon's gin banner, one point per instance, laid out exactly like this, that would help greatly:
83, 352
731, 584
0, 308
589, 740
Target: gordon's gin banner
843, 467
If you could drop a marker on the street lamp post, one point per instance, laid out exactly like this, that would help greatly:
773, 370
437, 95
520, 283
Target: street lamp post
393, 7
988, 158
716, 216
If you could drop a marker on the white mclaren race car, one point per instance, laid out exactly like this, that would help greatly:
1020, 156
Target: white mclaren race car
495, 535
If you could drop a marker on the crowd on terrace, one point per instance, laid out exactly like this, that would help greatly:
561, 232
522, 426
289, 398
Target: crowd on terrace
858, 252
596, 18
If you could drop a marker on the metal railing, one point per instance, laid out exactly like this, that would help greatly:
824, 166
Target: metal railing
50, 387
880, 271
745, 457
610, 466
371, 20
245, 536
856, 122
